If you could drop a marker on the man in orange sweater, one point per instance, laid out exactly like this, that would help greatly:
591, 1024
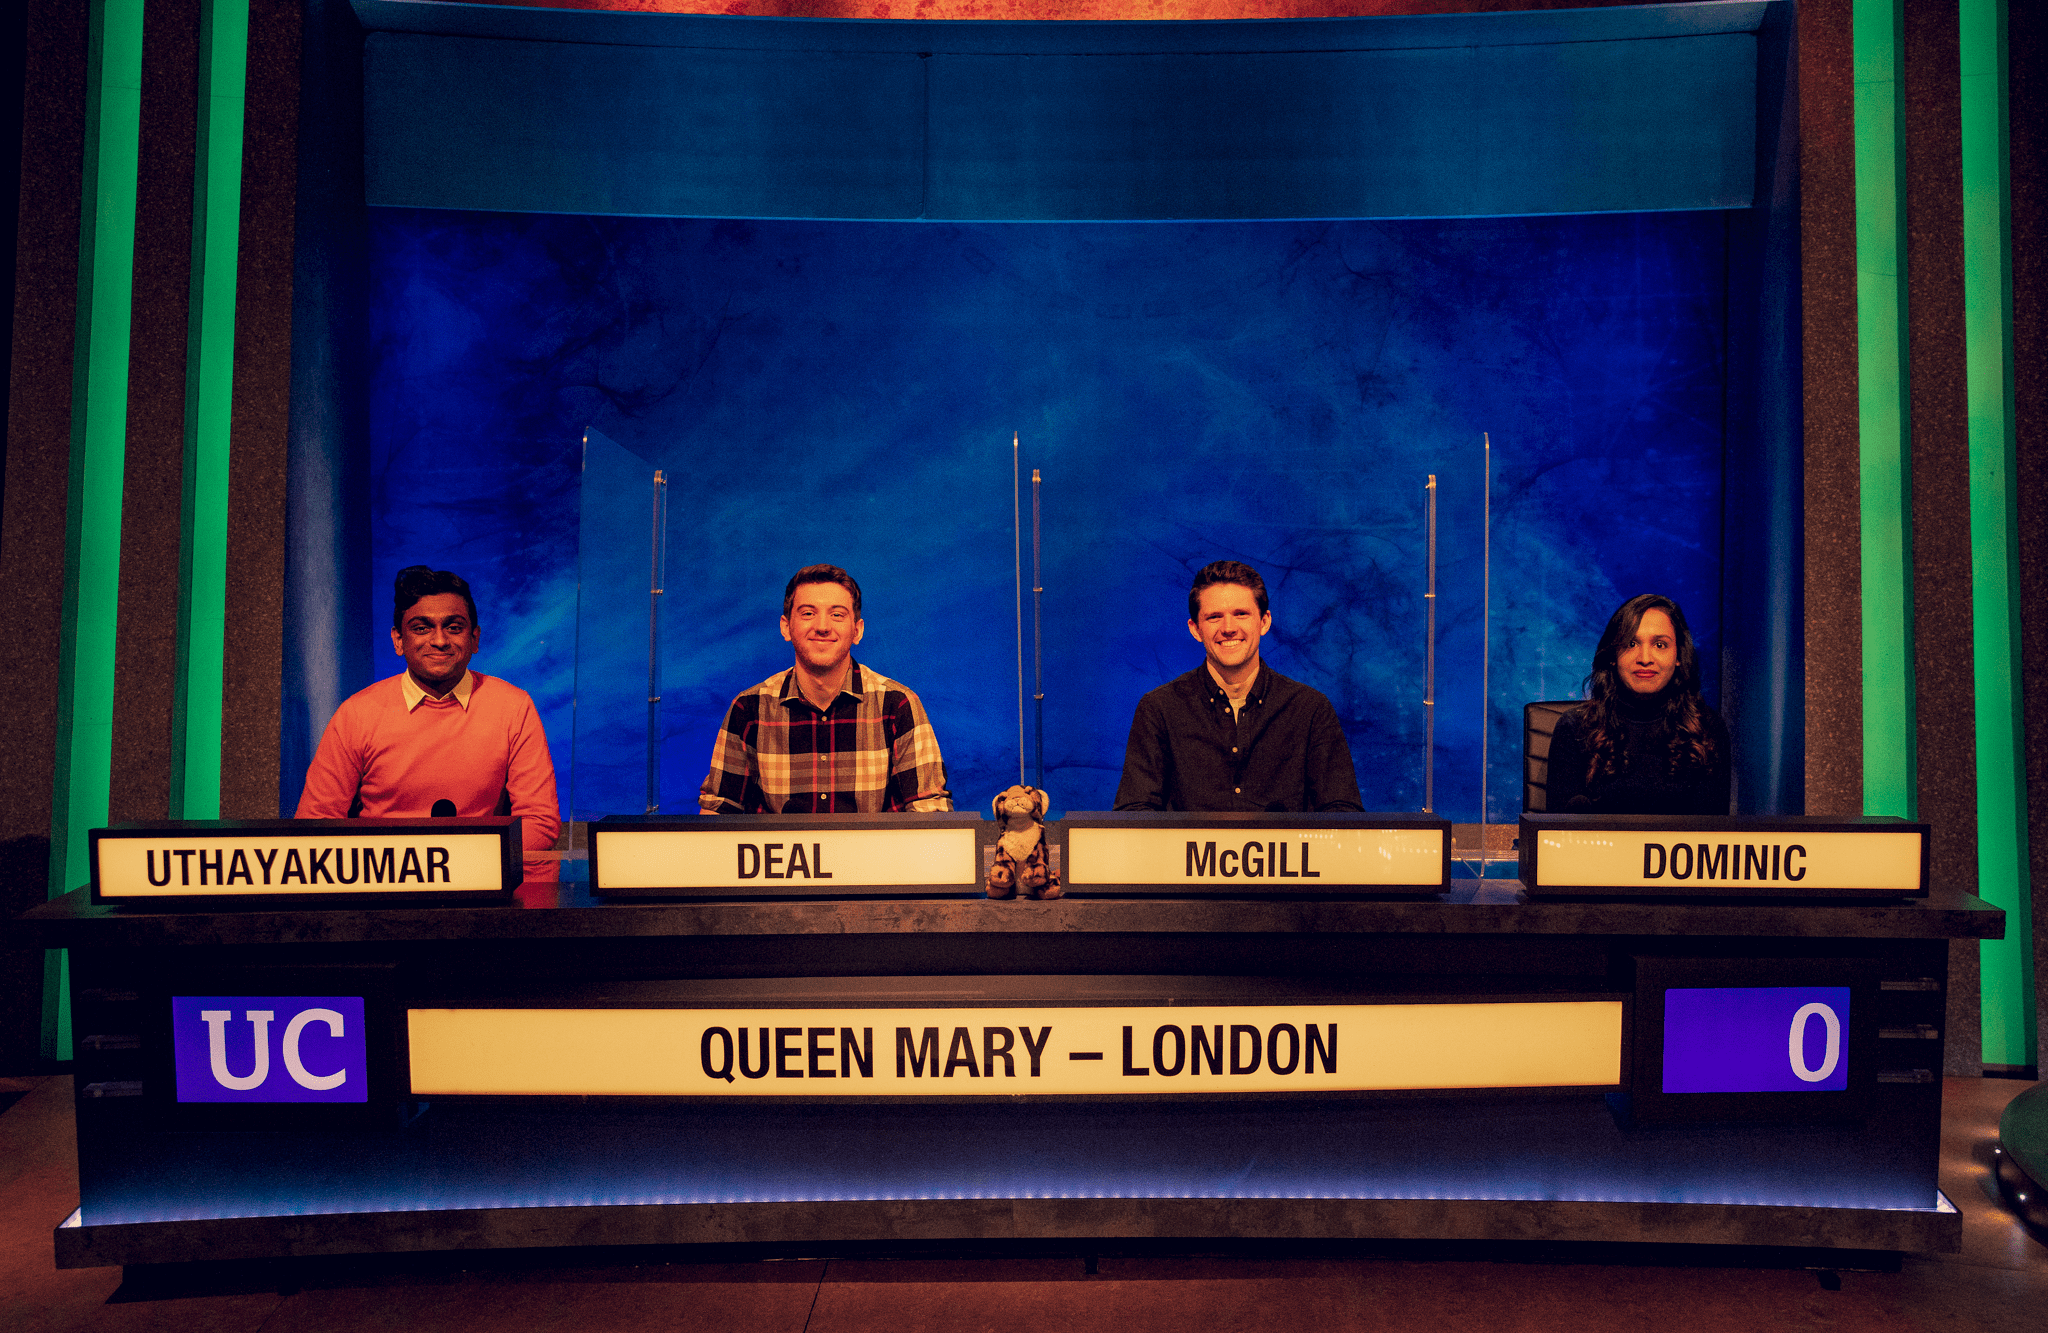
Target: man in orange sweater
437, 738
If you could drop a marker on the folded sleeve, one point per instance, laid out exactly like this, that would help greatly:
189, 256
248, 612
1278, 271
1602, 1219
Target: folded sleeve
1565, 775
733, 786
1332, 778
1718, 787
530, 782
917, 771
1143, 786
336, 773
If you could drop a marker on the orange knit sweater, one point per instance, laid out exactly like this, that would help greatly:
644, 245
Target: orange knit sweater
400, 763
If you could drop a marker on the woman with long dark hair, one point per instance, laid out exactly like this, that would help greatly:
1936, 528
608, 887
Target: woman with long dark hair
1643, 743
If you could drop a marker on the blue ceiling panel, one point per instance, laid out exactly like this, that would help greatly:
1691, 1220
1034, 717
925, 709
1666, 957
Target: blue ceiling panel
1609, 110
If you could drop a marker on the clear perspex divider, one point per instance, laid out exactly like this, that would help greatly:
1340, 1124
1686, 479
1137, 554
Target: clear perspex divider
655, 671
621, 528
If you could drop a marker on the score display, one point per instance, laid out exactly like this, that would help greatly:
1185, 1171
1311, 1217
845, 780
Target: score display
1756, 1039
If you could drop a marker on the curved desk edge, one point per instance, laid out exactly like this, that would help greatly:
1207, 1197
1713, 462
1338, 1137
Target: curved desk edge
72, 921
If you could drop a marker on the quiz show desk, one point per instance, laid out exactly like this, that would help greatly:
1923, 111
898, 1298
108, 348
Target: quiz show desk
884, 1057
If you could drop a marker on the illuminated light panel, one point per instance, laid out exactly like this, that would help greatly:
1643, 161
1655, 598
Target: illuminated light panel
1515, 1149
186, 867
1883, 409
111, 1217
2010, 1016
1611, 858
879, 1052
1153, 855
726, 857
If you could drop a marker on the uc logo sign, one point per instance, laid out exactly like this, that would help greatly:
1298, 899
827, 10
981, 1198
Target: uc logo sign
1756, 1039
269, 1048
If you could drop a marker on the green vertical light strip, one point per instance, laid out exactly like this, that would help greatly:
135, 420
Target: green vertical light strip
1884, 429
209, 410
99, 430
2002, 878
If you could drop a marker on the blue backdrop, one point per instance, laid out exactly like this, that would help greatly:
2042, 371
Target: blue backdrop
1274, 392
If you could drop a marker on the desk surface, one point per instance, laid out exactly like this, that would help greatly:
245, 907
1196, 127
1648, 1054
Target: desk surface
1492, 908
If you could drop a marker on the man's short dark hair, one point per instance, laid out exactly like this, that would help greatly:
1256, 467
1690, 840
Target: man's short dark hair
417, 581
820, 574
1226, 571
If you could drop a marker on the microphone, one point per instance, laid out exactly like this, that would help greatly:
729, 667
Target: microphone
443, 809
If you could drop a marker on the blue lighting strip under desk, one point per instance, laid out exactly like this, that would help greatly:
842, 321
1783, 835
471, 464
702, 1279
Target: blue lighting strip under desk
1485, 1148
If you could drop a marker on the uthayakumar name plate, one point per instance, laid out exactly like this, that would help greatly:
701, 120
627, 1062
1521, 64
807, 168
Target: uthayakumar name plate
219, 862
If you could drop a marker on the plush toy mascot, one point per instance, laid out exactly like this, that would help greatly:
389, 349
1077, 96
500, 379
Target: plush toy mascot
1021, 864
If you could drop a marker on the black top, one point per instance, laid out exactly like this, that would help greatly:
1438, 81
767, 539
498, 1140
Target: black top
1643, 783
1283, 751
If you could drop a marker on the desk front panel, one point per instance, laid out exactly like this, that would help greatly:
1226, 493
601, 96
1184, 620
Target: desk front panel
1401, 1093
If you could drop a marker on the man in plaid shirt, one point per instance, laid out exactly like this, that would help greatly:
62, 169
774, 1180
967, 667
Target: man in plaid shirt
826, 736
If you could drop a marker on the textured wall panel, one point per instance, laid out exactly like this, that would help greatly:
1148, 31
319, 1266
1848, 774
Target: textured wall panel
460, 122
1267, 391
464, 123
1596, 127
1833, 522
146, 651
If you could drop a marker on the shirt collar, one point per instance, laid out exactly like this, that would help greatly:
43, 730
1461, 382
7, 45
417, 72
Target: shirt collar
790, 691
1256, 695
414, 695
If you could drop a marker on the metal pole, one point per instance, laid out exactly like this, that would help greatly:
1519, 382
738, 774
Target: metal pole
655, 552
569, 806
1037, 636
1017, 556
1429, 650
1485, 645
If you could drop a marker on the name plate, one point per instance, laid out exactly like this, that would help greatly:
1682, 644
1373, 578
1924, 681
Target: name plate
1154, 853
743, 856
1784, 857
946, 1053
216, 862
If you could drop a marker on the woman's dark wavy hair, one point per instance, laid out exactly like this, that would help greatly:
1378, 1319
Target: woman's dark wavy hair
1601, 717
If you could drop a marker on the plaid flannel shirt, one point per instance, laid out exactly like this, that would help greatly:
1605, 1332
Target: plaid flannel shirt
872, 750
